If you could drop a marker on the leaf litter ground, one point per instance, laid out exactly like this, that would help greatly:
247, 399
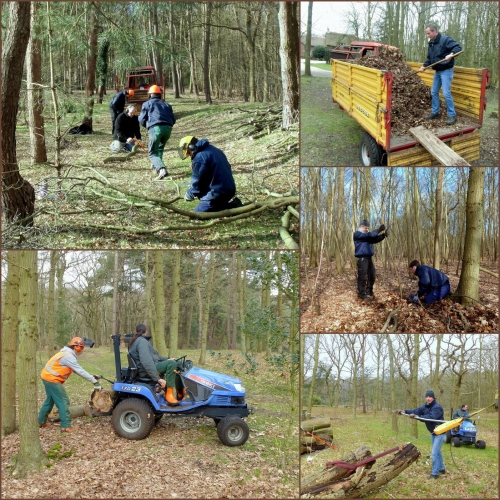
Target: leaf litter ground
182, 458
341, 311
258, 165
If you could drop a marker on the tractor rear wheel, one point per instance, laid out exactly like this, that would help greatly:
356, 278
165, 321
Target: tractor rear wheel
133, 418
233, 430
455, 442
370, 152
481, 444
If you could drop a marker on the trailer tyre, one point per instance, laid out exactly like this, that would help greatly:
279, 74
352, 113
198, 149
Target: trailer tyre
455, 442
233, 431
133, 419
369, 151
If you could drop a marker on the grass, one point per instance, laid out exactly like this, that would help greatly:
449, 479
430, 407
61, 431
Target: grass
325, 66
258, 165
329, 136
471, 472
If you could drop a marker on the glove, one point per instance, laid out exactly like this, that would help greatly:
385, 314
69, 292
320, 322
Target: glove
400, 412
381, 228
162, 383
386, 233
414, 298
188, 196
97, 377
98, 386
412, 415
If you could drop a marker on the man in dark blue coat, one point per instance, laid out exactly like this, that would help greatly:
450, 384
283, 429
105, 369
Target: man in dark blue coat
211, 179
158, 117
363, 251
441, 47
433, 285
117, 105
432, 410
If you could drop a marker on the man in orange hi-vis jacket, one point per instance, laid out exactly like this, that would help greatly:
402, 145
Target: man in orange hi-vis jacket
56, 372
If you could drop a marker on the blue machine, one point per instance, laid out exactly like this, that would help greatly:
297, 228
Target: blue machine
140, 404
464, 434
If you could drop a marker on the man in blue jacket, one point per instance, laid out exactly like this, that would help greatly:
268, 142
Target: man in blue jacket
363, 251
211, 178
158, 117
117, 105
432, 410
441, 47
433, 285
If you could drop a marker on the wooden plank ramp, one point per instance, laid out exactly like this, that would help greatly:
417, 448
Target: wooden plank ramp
437, 148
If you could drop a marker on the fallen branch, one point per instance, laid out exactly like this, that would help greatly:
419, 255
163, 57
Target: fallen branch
488, 271
388, 320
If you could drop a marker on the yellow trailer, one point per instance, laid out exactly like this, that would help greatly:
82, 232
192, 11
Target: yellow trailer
366, 94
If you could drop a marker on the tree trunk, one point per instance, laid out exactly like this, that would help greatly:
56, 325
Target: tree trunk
159, 334
175, 79
35, 93
315, 424
192, 65
414, 381
30, 458
206, 311
174, 310
468, 285
315, 370
393, 385
366, 478
289, 51
51, 304
439, 217
241, 301
307, 53
10, 324
116, 281
18, 195
91, 70
206, 53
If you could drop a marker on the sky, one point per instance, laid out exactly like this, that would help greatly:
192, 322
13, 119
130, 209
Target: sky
326, 16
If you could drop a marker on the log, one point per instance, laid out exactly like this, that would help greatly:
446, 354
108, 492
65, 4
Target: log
365, 479
102, 400
315, 424
74, 412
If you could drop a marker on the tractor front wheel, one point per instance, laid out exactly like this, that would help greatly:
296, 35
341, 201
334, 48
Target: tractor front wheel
455, 442
133, 419
481, 445
233, 431
370, 152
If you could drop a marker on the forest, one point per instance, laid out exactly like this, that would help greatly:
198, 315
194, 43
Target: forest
354, 383
446, 218
233, 312
232, 64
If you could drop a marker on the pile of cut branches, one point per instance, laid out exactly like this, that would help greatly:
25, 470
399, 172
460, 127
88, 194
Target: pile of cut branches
261, 122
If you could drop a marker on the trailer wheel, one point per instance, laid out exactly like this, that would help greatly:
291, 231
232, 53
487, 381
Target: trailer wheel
369, 151
481, 444
133, 419
455, 442
233, 431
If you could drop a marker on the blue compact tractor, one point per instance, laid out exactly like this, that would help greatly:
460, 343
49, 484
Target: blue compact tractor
140, 404
465, 433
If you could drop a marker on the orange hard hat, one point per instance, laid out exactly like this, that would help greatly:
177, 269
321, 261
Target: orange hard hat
130, 93
154, 89
76, 341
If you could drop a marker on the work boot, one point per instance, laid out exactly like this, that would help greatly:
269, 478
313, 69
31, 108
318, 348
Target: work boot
181, 394
170, 398
451, 120
162, 173
442, 471
69, 429
235, 203
46, 424
433, 477
362, 296
432, 116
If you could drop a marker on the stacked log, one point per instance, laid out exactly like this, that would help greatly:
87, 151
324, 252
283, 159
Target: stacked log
99, 405
320, 428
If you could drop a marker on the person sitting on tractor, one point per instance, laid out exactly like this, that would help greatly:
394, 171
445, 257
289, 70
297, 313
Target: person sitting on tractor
433, 285
117, 105
158, 117
151, 364
461, 412
126, 128
212, 180
56, 372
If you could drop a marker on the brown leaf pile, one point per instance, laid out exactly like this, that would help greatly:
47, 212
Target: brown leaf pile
411, 98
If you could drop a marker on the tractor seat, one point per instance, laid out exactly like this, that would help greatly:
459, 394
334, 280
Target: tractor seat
132, 373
